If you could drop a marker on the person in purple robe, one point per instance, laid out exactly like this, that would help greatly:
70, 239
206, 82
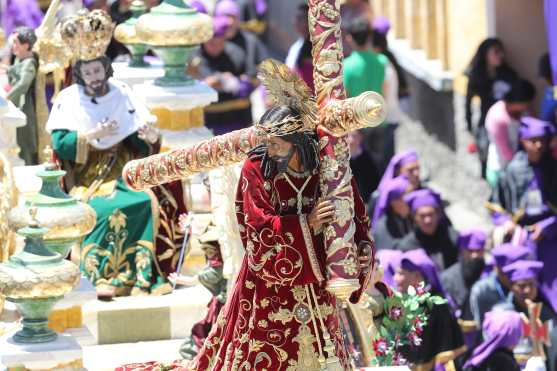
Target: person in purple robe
255, 51
524, 277
526, 198
502, 330
17, 13
494, 289
392, 215
221, 64
404, 163
442, 339
459, 278
432, 229
390, 261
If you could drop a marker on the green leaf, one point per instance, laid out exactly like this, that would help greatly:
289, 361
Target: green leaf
414, 306
437, 300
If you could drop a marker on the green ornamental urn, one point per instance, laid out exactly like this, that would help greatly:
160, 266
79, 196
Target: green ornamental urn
67, 219
125, 33
174, 31
35, 279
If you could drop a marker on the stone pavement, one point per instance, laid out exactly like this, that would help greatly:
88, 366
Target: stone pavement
456, 175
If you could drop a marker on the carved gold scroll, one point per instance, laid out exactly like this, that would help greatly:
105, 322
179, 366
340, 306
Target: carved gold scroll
335, 174
181, 163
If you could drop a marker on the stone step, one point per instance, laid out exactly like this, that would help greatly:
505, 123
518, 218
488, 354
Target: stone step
146, 318
64, 353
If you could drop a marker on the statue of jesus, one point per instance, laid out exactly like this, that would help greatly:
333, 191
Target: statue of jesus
279, 315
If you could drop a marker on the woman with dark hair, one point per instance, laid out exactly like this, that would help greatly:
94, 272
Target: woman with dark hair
489, 78
502, 331
394, 221
502, 124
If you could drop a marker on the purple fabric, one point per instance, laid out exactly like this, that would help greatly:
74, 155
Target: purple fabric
390, 261
260, 7
550, 8
199, 6
396, 162
499, 219
421, 198
472, 239
16, 13
227, 8
531, 127
501, 329
381, 25
246, 88
220, 26
394, 189
418, 261
507, 253
523, 270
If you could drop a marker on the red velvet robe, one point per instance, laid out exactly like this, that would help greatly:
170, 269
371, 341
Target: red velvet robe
263, 325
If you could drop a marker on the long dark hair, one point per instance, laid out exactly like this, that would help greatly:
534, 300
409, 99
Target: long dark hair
305, 143
477, 69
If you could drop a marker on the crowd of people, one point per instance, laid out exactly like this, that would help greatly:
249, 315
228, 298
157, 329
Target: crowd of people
488, 276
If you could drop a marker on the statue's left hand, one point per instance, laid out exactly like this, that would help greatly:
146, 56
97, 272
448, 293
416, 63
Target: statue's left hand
365, 257
149, 134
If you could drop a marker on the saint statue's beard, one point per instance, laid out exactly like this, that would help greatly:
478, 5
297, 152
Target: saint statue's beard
472, 270
97, 88
280, 163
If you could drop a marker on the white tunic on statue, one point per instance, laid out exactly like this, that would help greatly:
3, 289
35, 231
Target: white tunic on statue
76, 111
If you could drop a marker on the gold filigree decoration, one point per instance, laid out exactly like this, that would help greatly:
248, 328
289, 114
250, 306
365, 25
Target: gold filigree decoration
87, 34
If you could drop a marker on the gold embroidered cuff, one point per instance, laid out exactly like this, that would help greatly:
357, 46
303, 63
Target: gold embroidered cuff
311, 249
82, 151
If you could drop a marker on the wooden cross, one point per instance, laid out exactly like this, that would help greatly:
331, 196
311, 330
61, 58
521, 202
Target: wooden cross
533, 328
337, 116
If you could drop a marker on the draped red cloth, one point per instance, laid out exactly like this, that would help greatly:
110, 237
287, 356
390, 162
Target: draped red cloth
170, 204
270, 320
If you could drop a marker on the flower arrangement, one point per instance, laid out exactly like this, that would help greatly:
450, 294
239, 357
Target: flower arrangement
406, 315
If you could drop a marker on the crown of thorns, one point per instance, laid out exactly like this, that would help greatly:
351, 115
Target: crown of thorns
284, 87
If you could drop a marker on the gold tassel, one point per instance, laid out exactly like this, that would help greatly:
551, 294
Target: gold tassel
332, 362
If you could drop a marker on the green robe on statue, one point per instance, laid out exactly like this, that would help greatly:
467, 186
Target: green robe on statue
21, 77
119, 252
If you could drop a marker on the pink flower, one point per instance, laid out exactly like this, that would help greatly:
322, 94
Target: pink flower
415, 339
399, 360
420, 290
418, 325
395, 313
